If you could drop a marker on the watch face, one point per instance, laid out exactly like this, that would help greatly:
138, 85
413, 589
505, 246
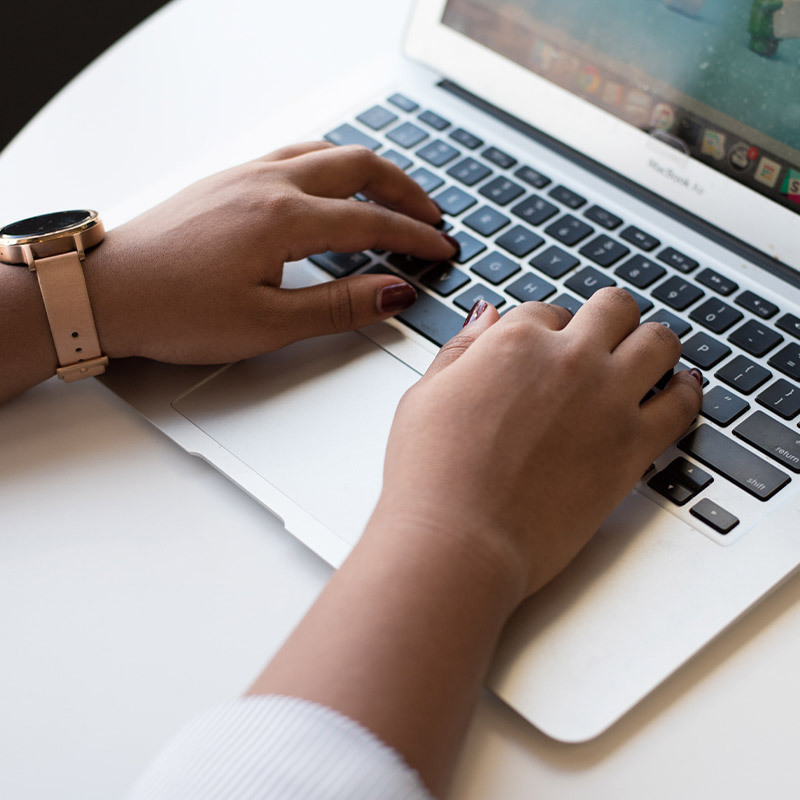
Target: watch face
46, 223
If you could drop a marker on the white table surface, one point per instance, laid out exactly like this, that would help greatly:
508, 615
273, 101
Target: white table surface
137, 586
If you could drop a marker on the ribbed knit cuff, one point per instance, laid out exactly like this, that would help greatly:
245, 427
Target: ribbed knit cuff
281, 748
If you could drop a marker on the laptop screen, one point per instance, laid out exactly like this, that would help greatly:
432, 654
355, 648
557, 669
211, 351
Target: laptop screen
717, 79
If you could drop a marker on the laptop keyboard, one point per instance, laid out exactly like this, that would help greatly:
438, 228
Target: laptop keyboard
525, 236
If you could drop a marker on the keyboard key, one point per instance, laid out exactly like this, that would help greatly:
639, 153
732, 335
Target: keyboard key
530, 287
498, 157
791, 324
716, 315
409, 265
671, 256
486, 220
758, 305
567, 197
376, 117
703, 351
438, 153
339, 264
501, 190
719, 283
401, 101
668, 487
478, 292
781, 397
519, 241
722, 406
434, 120
445, 279
495, 268
677, 325
453, 201
398, 159
677, 293
469, 140
787, 361
644, 304
688, 474
407, 135
569, 230
347, 134
605, 219
470, 247
534, 210
568, 302
426, 179
715, 516
773, 439
604, 251
431, 318
638, 237
755, 338
532, 177
469, 171
588, 281
734, 462
554, 262
640, 271
744, 374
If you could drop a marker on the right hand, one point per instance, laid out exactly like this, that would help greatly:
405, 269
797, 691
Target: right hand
526, 432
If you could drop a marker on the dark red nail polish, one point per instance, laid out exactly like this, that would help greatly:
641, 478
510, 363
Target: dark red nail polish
451, 241
396, 297
477, 309
697, 375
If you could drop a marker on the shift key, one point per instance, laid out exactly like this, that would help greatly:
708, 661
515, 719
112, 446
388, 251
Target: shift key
734, 462
770, 437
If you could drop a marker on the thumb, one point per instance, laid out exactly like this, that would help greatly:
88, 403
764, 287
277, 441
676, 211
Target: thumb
480, 318
341, 305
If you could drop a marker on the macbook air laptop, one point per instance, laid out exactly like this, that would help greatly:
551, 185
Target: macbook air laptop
571, 145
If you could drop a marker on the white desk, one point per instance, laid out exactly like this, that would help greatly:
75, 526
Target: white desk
137, 586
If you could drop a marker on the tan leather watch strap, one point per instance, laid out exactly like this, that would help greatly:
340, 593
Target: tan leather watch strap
66, 301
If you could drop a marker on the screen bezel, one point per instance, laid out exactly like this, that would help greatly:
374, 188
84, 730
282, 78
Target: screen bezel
628, 151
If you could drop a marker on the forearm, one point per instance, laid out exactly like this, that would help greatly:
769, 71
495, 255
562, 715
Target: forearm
400, 641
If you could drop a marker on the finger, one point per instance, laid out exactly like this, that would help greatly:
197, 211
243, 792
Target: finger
294, 150
669, 413
552, 317
346, 226
336, 306
345, 171
607, 317
646, 355
480, 318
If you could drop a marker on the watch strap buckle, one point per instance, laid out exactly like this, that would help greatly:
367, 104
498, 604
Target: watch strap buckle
83, 369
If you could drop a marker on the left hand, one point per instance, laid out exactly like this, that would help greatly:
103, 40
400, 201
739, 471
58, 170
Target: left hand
197, 279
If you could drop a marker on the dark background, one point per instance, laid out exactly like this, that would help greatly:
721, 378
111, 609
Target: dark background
45, 43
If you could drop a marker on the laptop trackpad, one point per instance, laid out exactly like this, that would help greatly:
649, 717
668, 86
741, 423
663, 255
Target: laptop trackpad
312, 419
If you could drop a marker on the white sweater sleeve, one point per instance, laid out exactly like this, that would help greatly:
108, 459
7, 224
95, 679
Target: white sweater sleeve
281, 748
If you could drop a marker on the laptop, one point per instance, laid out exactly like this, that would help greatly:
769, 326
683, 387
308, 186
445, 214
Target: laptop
571, 145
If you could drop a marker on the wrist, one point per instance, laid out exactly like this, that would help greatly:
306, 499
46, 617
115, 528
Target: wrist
472, 557
111, 301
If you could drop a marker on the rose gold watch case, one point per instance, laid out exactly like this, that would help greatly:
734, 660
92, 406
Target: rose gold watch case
24, 250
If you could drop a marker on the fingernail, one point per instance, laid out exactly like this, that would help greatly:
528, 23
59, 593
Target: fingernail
451, 241
697, 375
476, 310
396, 297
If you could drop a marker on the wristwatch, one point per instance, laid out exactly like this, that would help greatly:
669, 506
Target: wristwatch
53, 246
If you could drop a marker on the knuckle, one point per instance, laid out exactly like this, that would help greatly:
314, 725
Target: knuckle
340, 308
662, 335
358, 154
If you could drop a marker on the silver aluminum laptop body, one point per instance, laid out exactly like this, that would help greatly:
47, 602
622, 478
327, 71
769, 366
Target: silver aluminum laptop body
303, 430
